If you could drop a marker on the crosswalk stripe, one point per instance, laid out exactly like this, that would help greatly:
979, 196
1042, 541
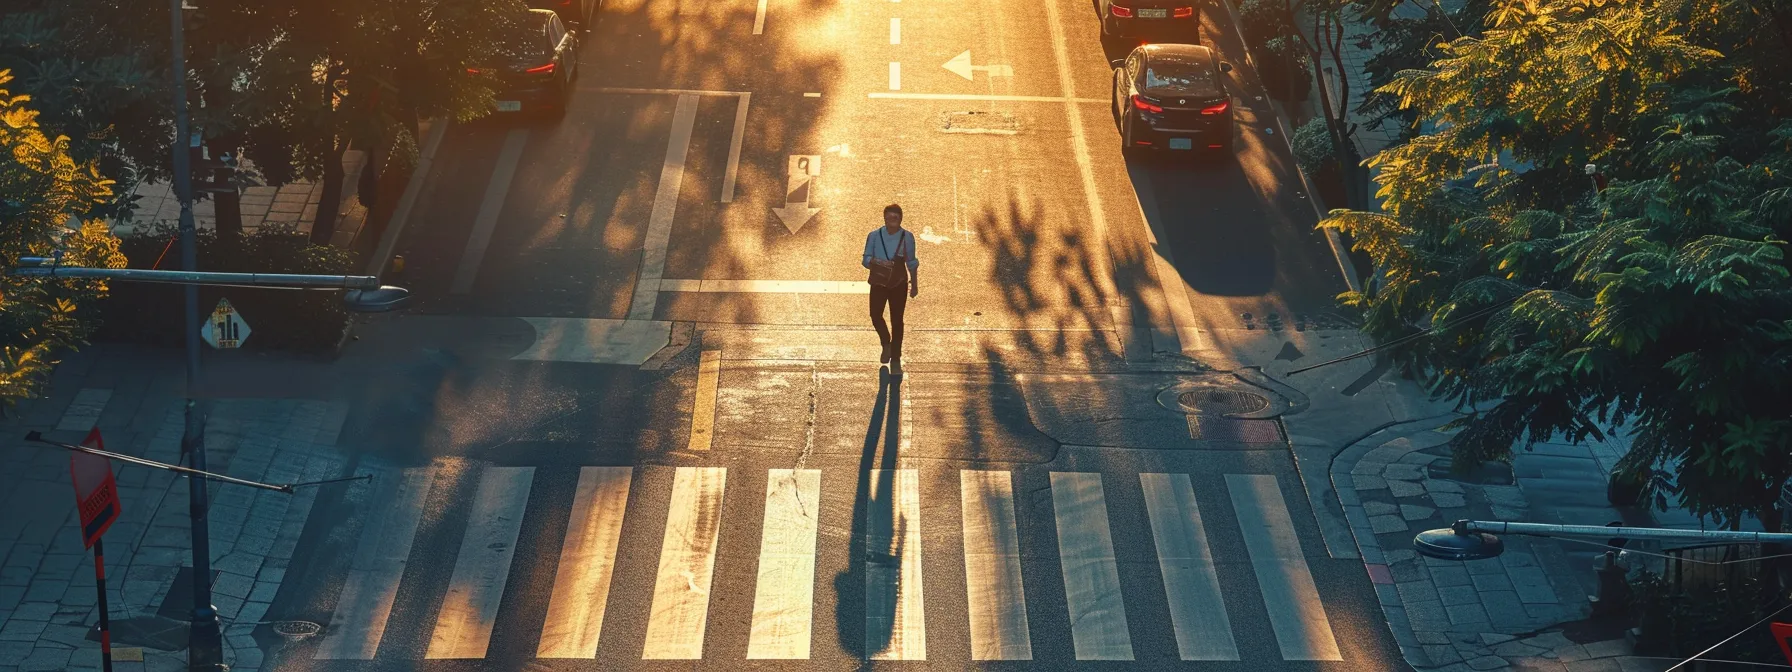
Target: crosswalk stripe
687, 563
575, 619
470, 609
997, 600
783, 606
376, 569
1295, 612
1091, 574
895, 625
1197, 611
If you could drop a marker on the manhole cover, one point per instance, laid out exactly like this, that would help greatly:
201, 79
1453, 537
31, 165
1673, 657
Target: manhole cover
991, 123
1220, 401
294, 631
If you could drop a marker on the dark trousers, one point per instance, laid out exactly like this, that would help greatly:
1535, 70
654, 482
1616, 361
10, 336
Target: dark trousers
897, 297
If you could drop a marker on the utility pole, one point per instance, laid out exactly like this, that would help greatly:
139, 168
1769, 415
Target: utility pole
205, 641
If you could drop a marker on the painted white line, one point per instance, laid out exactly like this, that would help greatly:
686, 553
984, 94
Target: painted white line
575, 620
1295, 612
812, 94
759, 19
997, 600
740, 131
489, 209
784, 602
680, 611
1183, 333
1079, 140
895, 31
665, 203
895, 623
595, 341
360, 620
895, 76
1091, 574
470, 609
703, 408
766, 286
413, 189
667, 92
1197, 611
975, 97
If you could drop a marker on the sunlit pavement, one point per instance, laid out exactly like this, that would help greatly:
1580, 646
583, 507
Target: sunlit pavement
638, 414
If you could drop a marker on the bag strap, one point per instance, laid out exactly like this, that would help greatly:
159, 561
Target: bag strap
883, 246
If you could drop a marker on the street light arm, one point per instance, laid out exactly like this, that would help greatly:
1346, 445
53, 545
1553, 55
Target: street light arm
1600, 531
37, 437
42, 267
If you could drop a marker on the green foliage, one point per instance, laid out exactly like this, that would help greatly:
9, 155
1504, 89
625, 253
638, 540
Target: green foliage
281, 319
1663, 305
43, 189
1681, 621
287, 83
1264, 20
1313, 145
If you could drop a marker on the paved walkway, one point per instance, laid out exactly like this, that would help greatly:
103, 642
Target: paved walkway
293, 204
133, 396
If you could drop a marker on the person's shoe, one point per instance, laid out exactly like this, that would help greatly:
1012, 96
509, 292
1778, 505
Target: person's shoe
896, 367
885, 358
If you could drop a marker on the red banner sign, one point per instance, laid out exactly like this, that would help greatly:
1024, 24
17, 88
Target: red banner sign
96, 493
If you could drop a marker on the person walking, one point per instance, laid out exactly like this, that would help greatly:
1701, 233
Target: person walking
890, 256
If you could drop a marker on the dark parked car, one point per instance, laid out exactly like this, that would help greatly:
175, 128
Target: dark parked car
1150, 18
537, 63
1169, 97
578, 14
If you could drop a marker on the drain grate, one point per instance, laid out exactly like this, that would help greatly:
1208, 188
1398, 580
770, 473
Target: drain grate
1207, 428
985, 123
1219, 401
294, 631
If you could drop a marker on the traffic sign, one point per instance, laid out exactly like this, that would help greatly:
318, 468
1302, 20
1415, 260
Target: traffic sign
1782, 633
224, 329
96, 493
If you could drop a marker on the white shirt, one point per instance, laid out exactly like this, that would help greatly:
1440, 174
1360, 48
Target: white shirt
880, 244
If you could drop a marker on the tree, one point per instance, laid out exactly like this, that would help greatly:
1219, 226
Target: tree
1663, 304
41, 188
1326, 37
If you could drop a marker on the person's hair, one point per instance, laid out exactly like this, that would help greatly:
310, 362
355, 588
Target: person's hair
893, 208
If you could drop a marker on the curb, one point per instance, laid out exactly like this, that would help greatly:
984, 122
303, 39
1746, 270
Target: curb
413, 190
1332, 239
1374, 558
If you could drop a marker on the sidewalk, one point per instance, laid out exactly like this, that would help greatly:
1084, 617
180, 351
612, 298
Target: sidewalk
293, 204
134, 396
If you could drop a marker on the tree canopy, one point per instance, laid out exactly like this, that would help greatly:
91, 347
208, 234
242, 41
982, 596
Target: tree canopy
1661, 305
41, 188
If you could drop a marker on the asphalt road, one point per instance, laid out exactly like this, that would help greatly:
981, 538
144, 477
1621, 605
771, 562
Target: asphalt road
1019, 499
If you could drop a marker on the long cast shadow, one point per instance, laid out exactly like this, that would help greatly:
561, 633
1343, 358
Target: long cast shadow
859, 631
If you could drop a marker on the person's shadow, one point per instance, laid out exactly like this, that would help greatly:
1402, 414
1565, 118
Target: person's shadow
865, 614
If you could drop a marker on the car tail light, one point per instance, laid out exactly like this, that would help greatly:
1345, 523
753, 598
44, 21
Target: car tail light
1217, 109
1183, 12
1140, 142
541, 69
565, 3
472, 71
1120, 12
1145, 104
1215, 146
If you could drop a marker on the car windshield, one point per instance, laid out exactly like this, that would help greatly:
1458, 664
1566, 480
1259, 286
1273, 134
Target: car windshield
525, 42
1179, 75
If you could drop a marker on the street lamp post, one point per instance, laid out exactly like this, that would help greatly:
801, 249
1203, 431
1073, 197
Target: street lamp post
205, 641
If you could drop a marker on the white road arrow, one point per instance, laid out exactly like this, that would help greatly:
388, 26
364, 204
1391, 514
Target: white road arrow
803, 169
961, 65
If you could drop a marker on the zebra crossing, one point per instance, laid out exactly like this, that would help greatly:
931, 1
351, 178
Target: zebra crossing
783, 619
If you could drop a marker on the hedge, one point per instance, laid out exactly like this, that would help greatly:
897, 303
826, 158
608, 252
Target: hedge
279, 319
